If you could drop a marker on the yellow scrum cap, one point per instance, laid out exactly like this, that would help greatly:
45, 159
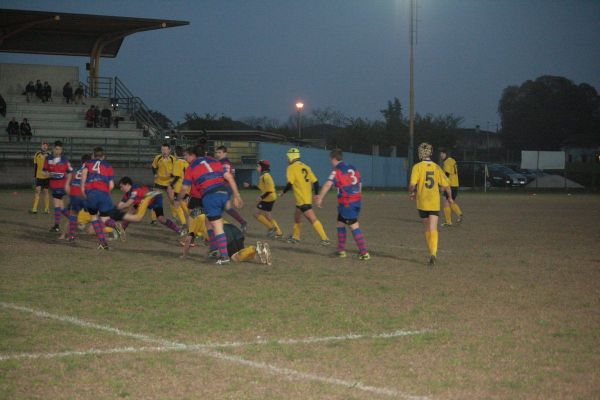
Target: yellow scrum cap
293, 154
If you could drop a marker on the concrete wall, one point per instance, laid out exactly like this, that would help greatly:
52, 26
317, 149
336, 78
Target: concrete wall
379, 172
20, 174
14, 77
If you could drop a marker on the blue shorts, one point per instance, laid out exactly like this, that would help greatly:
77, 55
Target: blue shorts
76, 203
98, 201
58, 193
349, 215
157, 202
214, 203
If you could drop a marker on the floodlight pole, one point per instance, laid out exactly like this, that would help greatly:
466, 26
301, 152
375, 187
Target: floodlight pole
411, 96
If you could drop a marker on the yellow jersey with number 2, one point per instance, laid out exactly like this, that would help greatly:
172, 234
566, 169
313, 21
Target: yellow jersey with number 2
428, 177
302, 178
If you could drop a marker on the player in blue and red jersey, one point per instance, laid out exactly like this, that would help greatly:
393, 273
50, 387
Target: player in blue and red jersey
208, 178
58, 168
75, 192
97, 179
221, 155
347, 180
129, 208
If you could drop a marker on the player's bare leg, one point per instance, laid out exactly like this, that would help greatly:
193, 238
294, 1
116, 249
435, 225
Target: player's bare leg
58, 212
295, 237
317, 226
430, 225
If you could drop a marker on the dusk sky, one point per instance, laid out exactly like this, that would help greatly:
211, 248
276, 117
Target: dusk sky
256, 58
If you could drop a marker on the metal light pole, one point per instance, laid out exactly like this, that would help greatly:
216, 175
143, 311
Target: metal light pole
411, 97
299, 107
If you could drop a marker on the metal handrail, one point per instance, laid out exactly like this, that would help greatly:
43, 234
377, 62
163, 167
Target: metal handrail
136, 107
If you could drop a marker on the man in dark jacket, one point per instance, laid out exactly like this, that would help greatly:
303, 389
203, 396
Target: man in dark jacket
13, 129
25, 129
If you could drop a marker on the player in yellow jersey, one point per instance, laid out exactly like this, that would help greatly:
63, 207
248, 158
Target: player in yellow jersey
301, 179
181, 212
426, 179
449, 167
42, 179
266, 200
162, 168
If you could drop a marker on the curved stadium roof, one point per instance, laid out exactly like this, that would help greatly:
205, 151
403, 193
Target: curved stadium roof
41, 32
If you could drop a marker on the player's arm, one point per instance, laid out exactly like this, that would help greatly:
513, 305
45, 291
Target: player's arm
445, 184
414, 181
125, 204
111, 185
319, 198
68, 184
155, 166
182, 192
237, 199
84, 174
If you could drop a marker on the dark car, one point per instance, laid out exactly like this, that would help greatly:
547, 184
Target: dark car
473, 174
502, 176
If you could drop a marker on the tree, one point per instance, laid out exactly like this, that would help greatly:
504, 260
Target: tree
162, 120
545, 113
393, 115
436, 130
194, 121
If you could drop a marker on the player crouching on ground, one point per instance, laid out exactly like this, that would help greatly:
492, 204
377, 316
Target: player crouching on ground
426, 179
235, 246
347, 180
301, 178
266, 200
129, 208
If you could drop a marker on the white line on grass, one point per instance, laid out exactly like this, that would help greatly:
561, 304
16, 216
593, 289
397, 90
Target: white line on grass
205, 350
200, 346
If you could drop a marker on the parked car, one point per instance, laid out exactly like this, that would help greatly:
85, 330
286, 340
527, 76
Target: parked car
473, 174
502, 176
528, 174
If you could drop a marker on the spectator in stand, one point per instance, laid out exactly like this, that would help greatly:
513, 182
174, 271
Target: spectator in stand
68, 92
29, 91
116, 117
79, 95
13, 129
25, 129
39, 90
47, 92
90, 117
96, 117
106, 117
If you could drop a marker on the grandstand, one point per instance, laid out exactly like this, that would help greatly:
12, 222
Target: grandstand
23, 31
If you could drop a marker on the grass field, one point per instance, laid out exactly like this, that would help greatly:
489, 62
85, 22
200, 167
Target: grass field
511, 310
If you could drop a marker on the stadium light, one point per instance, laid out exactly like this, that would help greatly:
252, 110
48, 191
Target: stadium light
299, 107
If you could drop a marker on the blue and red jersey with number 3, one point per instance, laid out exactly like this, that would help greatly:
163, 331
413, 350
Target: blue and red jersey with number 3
347, 180
58, 168
204, 174
99, 175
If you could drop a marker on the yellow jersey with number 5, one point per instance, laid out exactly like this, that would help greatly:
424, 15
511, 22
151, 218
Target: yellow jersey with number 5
428, 177
451, 171
302, 178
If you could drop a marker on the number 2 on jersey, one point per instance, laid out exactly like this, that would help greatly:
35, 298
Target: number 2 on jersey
305, 172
